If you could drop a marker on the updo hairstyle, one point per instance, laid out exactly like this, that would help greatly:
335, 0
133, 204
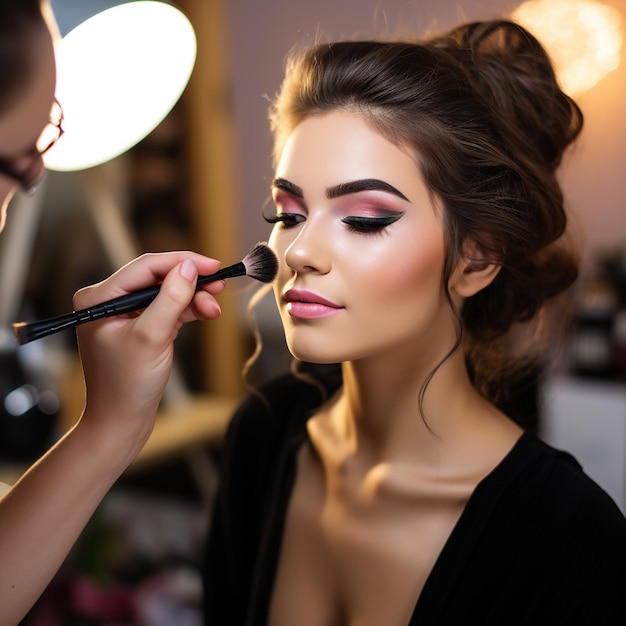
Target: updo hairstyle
481, 110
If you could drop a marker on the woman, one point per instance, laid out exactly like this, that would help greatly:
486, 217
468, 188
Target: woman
418, 221
126, 360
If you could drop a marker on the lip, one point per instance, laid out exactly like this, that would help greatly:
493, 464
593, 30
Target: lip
304, 304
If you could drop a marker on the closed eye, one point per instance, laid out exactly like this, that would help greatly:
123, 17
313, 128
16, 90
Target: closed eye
289, 220
366, 225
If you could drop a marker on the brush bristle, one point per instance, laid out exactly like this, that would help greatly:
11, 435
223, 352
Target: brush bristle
261, 263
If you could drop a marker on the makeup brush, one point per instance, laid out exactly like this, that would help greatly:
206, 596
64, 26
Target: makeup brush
261, 264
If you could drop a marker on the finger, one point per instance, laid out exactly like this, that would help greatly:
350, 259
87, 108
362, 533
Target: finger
203, 307
146, 270
164, 316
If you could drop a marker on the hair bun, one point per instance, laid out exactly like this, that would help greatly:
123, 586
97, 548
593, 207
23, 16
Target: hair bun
512, 71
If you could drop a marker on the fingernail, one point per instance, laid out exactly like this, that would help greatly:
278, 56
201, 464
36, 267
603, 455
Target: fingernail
188, 270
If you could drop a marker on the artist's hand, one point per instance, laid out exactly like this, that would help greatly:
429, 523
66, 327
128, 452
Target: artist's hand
127, 359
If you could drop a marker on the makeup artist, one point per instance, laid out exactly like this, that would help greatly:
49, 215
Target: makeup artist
126, 360
417, 219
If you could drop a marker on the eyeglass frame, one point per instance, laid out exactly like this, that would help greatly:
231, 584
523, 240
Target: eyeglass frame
25, 178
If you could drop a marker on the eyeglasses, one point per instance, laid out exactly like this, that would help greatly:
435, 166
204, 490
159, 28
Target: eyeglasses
29, 176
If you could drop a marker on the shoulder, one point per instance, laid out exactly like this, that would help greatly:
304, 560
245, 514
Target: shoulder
565, 484
539, 543
548, 489
579, 534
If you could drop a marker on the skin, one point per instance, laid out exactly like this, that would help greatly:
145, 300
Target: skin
21, 125
126, 362
378, 491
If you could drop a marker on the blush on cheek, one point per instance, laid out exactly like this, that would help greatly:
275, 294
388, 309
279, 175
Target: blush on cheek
417, 272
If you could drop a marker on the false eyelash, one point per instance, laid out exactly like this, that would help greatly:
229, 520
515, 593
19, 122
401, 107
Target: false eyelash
288, 219
370, 224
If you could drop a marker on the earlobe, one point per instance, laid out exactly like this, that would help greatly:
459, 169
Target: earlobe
473, 273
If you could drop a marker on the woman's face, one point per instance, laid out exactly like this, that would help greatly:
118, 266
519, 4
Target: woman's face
22, 124
361, 246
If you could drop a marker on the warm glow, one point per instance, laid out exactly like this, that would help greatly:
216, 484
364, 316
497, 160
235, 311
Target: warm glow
119, 75
582, 37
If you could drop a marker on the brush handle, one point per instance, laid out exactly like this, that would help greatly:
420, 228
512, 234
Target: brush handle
135, 301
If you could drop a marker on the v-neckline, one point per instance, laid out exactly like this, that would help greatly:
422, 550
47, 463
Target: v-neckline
442, 577
440, 580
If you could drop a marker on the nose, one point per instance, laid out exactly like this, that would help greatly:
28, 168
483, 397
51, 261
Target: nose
310, 251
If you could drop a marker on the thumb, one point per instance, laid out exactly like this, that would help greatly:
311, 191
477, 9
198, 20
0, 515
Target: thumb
189, 271
175, 295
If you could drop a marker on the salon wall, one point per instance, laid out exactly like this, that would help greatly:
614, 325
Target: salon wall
262, 33
594, 174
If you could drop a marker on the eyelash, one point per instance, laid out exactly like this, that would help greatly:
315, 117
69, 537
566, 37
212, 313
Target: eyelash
289, 220
361, 225
370, 225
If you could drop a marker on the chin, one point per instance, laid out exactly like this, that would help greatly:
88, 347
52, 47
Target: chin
312, 356
320, 354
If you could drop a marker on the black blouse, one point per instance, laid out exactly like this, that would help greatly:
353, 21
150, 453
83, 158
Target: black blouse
537, 543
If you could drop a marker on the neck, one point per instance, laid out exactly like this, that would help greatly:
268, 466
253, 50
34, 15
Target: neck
393, 411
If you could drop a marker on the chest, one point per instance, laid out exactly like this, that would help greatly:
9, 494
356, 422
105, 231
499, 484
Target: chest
348, 558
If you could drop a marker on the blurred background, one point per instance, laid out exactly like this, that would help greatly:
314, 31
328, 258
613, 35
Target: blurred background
200, 180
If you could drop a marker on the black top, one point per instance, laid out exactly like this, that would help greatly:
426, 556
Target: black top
537, 543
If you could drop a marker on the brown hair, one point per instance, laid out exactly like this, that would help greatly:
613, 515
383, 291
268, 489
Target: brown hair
481, 109
20, 21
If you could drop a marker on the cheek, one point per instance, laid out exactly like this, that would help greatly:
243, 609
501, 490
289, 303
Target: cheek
273, 242
276, 243
410, 274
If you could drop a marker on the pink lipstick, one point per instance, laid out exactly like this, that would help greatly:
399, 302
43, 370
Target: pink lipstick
308, 305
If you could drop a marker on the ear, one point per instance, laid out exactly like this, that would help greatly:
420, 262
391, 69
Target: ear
474, 271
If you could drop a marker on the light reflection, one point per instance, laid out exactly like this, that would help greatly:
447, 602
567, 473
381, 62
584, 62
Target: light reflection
583, 38
118, 75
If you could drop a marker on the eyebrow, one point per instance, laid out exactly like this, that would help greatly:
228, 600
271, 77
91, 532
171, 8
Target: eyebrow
343, 189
